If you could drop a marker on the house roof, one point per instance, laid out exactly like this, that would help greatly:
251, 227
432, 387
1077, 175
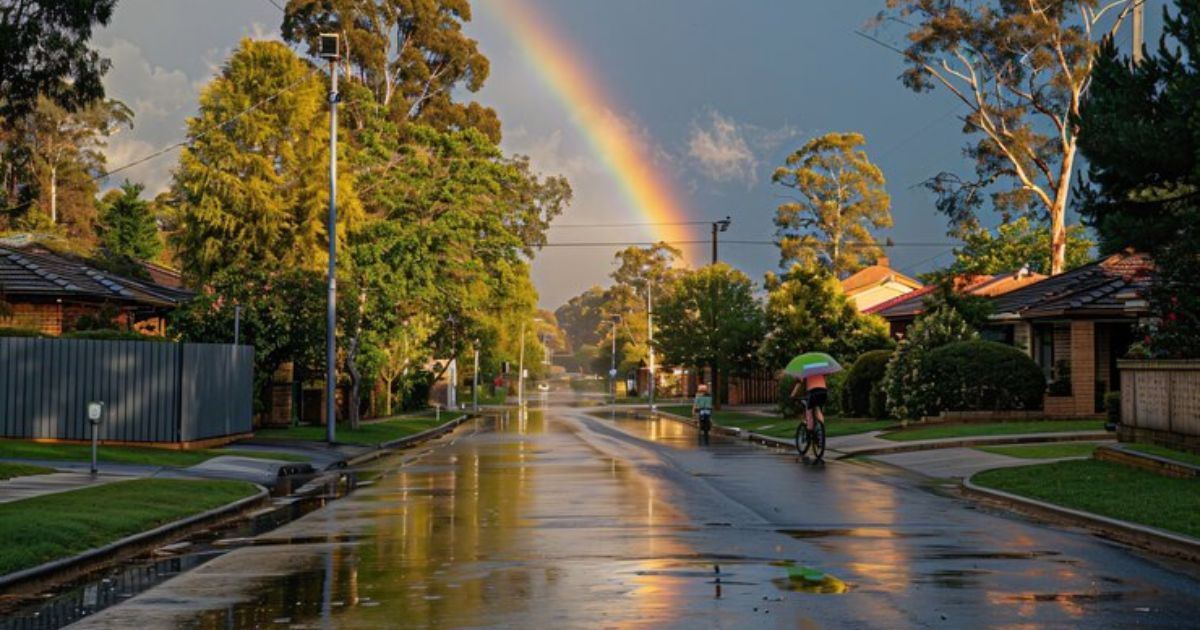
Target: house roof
910, 305
1105, 287
875, 275
35, 271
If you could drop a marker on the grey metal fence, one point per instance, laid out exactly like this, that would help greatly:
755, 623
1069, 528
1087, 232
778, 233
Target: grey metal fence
153, 392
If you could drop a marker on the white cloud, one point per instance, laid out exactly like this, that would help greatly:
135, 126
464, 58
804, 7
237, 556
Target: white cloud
725, 150
161, 98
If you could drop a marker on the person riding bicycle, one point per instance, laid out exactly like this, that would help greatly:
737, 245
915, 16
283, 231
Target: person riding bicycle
702, 406
815, 397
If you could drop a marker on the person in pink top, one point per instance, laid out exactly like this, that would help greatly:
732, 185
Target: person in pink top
816, 395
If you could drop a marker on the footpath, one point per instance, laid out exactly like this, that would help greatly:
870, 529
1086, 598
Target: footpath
960, 460
259, 464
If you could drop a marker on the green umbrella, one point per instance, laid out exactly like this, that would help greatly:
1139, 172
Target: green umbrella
812, 364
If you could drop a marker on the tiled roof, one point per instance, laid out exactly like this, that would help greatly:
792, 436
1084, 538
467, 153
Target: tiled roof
910, 305
876, 275
1101, 288
35, 271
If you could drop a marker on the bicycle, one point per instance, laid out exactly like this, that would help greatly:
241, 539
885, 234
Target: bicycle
704, 417
813, 438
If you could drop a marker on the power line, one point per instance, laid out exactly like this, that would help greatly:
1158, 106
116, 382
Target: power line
623, 225
730, 242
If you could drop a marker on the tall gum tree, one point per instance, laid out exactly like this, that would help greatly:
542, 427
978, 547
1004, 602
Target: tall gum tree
1021, 69
841, 197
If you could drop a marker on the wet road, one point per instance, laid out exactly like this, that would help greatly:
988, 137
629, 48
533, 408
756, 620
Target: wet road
563, 519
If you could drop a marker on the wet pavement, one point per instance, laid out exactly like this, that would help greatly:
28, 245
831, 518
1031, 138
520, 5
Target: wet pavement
561, 519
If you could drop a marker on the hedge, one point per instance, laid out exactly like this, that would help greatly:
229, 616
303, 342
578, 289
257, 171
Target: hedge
864, 382
983, 376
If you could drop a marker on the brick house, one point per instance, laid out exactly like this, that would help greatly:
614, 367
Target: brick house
50, 291
1075, 326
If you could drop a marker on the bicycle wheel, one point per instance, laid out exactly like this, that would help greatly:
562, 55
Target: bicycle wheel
802, 438
818, 440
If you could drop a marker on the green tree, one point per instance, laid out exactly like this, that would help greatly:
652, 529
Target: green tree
1141, 137
841, 198
1016, 244
711, 318
411, 54
1021, 70
251, 183
127, 227
806, 311
44, 51
580, 318
909, 393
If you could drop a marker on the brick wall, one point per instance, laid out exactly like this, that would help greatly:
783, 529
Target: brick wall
45, 318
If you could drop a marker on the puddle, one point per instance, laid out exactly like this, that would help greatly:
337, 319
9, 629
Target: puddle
989, 555
802, 579
965, 578
851, 532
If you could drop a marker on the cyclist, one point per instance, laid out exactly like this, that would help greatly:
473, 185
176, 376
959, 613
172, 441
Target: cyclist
702, 408
815, 398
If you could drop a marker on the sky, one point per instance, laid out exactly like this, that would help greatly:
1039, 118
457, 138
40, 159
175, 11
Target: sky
707, 96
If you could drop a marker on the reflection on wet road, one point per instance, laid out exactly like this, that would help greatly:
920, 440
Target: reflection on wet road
564, 519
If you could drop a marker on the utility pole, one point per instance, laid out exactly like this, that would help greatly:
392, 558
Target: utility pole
1139, 29
329, 50
718, 226
650, 338
475, 380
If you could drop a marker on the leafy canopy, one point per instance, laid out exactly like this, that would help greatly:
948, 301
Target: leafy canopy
839, 198
1020, 69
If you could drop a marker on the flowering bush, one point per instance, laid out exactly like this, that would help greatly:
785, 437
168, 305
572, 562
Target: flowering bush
910, 393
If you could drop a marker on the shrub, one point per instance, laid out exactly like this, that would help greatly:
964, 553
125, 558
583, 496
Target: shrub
863, 382
1112, 410
909, 394
983, 376
19, 332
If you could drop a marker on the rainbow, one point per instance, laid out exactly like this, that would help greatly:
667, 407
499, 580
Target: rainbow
567, 77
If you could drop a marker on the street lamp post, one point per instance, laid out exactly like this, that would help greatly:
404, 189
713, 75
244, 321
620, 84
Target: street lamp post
329, 50
475, 380
612, 370
650, 339
521, 370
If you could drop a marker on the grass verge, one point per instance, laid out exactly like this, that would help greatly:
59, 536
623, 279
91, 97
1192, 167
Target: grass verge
41, 529
366, 434
1169, 453
1108, 489
140, 455
10, 471
776, 426
982, 429
1052, 450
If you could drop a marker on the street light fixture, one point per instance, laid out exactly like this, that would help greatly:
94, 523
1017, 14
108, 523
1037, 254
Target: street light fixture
329, 49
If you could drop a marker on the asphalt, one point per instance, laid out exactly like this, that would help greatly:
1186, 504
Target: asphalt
562, 519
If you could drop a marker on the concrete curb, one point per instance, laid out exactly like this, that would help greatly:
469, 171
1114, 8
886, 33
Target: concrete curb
409, 440
109, 552
1140, 536
997, 440
1118, 454
757, 438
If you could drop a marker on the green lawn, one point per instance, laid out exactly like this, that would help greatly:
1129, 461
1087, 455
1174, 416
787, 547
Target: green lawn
9, 471
776, 426
369, 434
1053, 450
937, 431
1106, 488
128, 454
45, 528
1169, 453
